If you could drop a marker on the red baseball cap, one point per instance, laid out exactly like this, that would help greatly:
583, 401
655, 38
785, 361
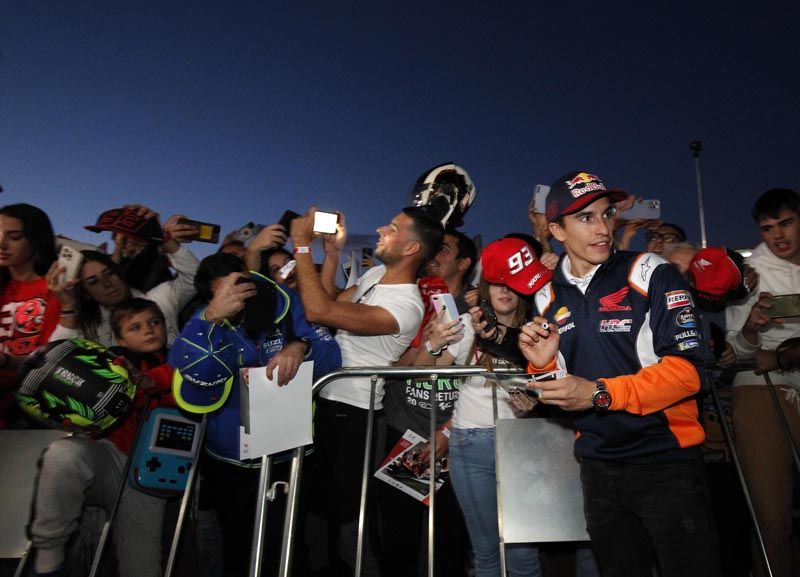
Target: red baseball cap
718, 276
576, 190
512, 262
127, 221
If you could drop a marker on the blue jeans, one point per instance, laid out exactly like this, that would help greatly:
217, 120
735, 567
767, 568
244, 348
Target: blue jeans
638, 513
473, 475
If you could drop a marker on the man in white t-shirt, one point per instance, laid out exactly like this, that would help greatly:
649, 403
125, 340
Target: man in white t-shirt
376, 320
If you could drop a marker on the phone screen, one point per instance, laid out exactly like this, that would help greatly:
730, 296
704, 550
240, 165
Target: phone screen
325, 222
784, 306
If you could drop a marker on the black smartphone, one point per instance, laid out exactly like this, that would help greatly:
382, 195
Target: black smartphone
286, 220
259, 310
366, 252
488, 315
718, 340
208, 232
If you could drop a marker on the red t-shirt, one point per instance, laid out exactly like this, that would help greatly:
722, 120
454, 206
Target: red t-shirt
28, 315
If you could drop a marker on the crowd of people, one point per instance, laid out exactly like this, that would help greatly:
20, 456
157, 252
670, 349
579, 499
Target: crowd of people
634, 340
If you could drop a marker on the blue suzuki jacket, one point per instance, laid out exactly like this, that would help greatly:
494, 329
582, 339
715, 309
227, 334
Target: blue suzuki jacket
205, 351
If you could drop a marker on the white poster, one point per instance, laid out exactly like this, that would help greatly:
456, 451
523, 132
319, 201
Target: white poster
274, 418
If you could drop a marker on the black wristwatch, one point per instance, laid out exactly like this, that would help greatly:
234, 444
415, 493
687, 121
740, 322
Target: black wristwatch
601, 398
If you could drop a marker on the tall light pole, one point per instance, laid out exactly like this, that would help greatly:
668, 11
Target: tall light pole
696, 147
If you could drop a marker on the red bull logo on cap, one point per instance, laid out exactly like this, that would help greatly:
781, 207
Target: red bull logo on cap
582, 183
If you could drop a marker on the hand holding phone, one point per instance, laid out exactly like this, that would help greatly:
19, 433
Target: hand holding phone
206, 231
445, 306
784, 306
286, 220
643, 210
325, 222
71, 260
488, 315
259, 310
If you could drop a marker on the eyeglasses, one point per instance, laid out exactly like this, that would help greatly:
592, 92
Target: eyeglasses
664, 237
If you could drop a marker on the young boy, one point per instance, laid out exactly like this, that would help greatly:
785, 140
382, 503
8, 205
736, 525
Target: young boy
78, 471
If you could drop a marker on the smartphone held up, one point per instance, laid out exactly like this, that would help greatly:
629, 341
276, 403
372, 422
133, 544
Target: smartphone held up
325, 222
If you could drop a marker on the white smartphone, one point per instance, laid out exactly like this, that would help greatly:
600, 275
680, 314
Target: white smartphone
71, 260
325, 222
445, 302
540, 192
643, 210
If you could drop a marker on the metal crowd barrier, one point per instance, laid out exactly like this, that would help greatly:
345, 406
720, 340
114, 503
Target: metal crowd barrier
749, 366
432, 373
267, 493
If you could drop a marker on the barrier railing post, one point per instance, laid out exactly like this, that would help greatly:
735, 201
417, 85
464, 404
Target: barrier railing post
362, 513
262, 505
434, 381
726, 432
187, 495
290, 526
373, 373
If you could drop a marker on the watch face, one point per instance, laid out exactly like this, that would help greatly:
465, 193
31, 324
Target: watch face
601, 400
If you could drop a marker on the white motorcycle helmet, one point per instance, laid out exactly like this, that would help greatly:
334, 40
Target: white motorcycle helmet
448, 190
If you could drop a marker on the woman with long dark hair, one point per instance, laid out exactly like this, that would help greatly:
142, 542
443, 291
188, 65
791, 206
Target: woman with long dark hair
100, 285
472, 439
28, 310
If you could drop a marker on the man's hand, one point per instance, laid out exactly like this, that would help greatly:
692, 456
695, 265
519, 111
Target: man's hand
629, 230
303, 232
270, 236
521, 402
766, 361
180, 233
549, 260
441, 332
758, 318
442, 446
334, 243
229, 298
287, 361
541, 230
538, 341
570, 393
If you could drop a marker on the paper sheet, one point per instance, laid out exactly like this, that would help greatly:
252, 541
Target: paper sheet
274, 418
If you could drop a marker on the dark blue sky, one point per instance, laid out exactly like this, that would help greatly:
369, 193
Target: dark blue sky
235, 111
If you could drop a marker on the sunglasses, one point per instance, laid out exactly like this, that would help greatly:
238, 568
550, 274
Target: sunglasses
664, 237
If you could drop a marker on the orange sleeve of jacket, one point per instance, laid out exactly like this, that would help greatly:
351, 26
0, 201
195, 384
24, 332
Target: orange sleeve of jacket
654, 388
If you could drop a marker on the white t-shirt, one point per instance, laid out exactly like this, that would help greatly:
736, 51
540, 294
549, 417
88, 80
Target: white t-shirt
474, 406
404, 303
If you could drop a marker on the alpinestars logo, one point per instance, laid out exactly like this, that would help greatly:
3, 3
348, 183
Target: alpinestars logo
610, 303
